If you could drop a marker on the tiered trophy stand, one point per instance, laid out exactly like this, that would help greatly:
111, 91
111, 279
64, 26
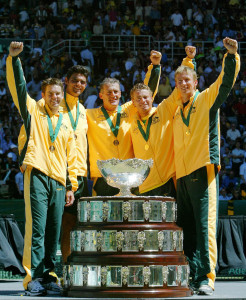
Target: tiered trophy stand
126, 246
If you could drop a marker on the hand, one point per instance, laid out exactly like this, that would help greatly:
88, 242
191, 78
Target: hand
69, 198
15, 48
231, 45
155, 57
190, 51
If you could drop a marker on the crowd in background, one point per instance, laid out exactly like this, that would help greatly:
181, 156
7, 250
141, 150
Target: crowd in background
165, 20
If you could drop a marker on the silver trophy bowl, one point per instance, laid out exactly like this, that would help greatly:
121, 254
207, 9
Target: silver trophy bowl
125, 174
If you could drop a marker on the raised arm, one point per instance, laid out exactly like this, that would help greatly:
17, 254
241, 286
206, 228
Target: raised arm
153, 74
16, 81
218, 92
173, 101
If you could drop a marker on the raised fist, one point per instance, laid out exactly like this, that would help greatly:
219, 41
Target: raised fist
155, 57
190, 51
15, 48
230, 45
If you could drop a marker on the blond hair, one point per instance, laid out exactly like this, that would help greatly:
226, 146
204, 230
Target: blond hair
185, 69
140, 86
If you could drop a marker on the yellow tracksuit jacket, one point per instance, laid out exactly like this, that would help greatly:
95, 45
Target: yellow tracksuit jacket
202, 146
80, 132
101, 138
160, 138
35, 152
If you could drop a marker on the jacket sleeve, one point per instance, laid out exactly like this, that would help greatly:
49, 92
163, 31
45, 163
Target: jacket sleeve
17, 86
152, 78
218, 92
72, 183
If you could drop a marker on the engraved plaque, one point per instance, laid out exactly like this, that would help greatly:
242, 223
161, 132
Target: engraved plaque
90, 240
130, 242
137, 213
114, 278
184, 280
94, 276
170, 213
135, 277
179, 241
82, 211
155, 211
75, 240
151, 240
109, 241
156, 276
115, 212
168, 243
96, 213
172, 276
77, 275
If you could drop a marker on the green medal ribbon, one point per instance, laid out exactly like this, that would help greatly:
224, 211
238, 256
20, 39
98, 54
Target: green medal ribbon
145, 134
187, 120
74, 124
53, 135
115, 128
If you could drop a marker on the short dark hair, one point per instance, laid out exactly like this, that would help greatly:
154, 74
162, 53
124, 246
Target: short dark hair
51, 81
77, 70
140, 86
108, 81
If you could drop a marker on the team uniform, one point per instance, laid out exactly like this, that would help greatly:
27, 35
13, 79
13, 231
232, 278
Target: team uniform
103, 144
77, 111
46, 164
197, 162
159, 146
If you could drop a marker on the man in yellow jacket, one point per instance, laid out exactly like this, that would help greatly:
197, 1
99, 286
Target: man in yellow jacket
152, 133
109, 129
197, 162
74, 112
75, 84
47, 155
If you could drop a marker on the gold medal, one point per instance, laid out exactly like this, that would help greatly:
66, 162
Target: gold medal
116, 142
52, 148
188, 132
146, 147
75, 136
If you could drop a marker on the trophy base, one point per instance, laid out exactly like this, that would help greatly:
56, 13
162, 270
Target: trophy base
129, 293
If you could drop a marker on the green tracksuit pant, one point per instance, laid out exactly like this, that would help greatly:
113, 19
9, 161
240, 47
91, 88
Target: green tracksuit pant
167, 189
44, 205
101, 188
197, 207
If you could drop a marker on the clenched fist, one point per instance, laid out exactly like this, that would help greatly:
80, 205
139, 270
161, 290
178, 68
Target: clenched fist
230, 45
155, 57
15, 48
190, 51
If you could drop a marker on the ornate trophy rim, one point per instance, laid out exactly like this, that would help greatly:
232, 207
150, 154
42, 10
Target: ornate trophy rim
124, 174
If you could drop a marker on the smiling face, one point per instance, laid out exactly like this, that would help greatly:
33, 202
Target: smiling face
53, 95
186, 85
142, 100
76, 84
110, 94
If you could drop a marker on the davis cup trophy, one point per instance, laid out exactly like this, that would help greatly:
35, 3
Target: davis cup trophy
126, 246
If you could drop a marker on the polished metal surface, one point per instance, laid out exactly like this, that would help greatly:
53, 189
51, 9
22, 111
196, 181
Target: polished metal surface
125, 174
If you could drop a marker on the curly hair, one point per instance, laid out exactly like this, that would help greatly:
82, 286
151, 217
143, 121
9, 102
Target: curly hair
77, 69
